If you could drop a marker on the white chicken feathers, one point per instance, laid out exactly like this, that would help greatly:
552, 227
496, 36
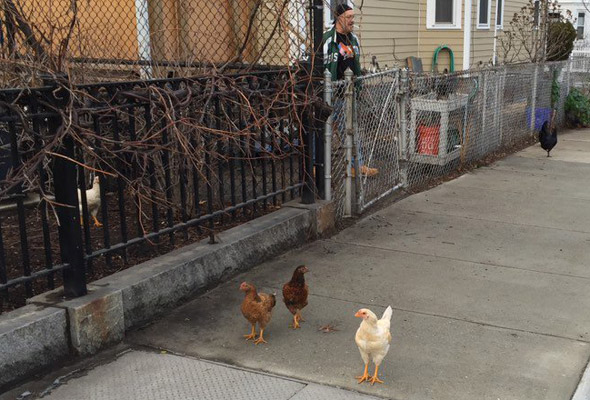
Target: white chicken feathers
92, 200
373, 336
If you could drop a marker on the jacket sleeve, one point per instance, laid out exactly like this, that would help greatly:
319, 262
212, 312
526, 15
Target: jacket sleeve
330, 54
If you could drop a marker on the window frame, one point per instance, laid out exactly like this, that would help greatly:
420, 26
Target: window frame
578, 24
501, 24
431, 16
488, 24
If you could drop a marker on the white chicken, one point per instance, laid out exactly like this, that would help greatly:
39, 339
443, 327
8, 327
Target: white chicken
92, 200
373, 338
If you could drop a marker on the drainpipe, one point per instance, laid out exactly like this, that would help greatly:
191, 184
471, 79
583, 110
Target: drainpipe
143, 38
467, 34
495, 21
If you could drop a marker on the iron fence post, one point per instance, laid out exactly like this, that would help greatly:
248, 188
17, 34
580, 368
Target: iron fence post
66, 194
318, 67
313, 163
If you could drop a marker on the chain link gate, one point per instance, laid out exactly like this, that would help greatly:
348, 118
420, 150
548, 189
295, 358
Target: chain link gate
364, 137
377, 140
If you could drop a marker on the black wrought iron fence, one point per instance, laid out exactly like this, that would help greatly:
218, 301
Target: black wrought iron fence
97, 177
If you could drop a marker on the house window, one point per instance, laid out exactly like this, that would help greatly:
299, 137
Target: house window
580, 25
443, 14
500, 13
483, 14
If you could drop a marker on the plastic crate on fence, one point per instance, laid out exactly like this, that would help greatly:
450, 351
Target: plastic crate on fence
436, 126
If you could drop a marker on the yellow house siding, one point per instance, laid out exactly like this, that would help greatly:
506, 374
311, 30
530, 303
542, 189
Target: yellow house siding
482, 39
388, 30
430, 39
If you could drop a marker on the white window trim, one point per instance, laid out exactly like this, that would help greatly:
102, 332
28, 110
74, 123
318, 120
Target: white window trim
585, 12
501, 24
430, 16
484, 26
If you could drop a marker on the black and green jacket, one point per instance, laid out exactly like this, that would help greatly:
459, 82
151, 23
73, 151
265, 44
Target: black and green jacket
331, 52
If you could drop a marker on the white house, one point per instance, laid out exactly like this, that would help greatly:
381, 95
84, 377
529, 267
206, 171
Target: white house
580, 12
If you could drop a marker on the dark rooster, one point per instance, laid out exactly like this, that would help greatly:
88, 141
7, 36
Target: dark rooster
548, 137
295, 294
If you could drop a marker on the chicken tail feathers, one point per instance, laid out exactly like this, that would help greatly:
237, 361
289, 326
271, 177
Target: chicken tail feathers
387, 314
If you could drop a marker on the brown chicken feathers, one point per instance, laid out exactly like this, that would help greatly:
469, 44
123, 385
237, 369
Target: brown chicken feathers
257, 309
295, 294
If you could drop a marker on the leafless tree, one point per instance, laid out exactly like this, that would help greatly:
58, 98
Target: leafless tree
531, 35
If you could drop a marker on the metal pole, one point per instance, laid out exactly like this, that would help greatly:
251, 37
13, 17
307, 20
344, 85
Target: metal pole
502, 89
328, 138
484, 105
403, 117
348, 143
570, 62
404, 86
534, 100
66, 194
143, 37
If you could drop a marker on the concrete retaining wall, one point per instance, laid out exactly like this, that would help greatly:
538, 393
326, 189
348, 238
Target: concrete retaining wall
30, 338
51, 328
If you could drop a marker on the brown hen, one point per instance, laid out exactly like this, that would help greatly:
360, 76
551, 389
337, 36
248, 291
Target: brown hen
295, 294
257, 308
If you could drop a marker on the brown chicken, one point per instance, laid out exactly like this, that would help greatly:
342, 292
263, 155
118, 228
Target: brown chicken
257, 308
295, 294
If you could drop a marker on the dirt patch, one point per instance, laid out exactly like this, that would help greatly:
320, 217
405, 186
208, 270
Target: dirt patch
40, 248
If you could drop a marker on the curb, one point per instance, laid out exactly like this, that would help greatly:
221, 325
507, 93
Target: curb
583, 390
50, 328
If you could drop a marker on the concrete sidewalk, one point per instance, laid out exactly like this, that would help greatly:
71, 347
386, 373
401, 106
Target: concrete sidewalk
487, 275
136, 374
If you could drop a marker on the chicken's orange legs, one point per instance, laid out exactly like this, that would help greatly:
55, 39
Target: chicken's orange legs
251, 335
260, 338
96, 222
374, 378
365, 376
296, 319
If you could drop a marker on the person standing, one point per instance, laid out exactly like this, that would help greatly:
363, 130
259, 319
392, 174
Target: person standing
341, 45
342, 51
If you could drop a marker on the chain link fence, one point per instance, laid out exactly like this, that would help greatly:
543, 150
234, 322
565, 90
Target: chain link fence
130, 39
412, 130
